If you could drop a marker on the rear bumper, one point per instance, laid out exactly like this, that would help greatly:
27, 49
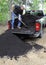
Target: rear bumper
36, 34
31, 34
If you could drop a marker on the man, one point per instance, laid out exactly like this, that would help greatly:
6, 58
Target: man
12, 16
21, 12
17, 11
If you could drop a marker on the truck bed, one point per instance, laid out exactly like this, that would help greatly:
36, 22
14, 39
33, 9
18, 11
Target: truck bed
30, 21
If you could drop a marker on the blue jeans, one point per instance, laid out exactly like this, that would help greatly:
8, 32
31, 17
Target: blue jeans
19, 23
13, 18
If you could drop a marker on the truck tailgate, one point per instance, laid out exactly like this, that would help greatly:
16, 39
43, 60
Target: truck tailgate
23, 31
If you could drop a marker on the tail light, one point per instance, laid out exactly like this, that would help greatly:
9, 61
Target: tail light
37, 26
9, 25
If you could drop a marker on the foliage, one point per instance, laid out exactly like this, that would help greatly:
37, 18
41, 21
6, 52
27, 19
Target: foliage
5, 8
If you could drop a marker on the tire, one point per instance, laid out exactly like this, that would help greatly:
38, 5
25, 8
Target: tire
41, 31
40, 36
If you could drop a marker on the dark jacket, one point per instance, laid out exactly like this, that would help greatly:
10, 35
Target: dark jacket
18, 10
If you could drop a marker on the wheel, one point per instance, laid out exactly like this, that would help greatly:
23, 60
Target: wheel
40, 36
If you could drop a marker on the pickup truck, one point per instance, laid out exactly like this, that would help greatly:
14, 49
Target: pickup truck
34, 25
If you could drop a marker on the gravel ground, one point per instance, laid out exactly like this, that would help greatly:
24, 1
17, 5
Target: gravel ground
14, 51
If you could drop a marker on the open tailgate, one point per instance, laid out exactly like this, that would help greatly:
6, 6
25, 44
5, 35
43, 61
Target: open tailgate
23, 31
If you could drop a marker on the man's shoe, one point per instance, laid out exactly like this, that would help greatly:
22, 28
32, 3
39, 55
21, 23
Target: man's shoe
12, 28
18, 27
